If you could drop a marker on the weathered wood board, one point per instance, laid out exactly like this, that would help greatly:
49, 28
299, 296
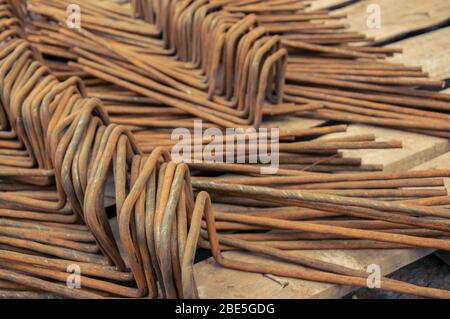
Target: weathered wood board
434, 58
216, 282
442, 161
417, 148
397, 17
326, 4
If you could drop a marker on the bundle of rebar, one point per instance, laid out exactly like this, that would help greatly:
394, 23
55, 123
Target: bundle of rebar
86, 115
72, 146
327, 75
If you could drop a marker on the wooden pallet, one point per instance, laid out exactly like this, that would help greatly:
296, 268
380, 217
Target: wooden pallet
429, 50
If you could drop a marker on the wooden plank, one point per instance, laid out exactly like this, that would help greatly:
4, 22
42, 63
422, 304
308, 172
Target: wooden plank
216, 282
442, 161
397, 17
417, 148
429, 50
326, 4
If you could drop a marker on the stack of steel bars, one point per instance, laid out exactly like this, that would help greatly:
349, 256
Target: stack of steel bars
330, 73
159, 65
52, 214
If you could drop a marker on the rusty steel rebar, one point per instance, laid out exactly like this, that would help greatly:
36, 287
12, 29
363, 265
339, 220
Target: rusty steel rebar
327, 273
392, 101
